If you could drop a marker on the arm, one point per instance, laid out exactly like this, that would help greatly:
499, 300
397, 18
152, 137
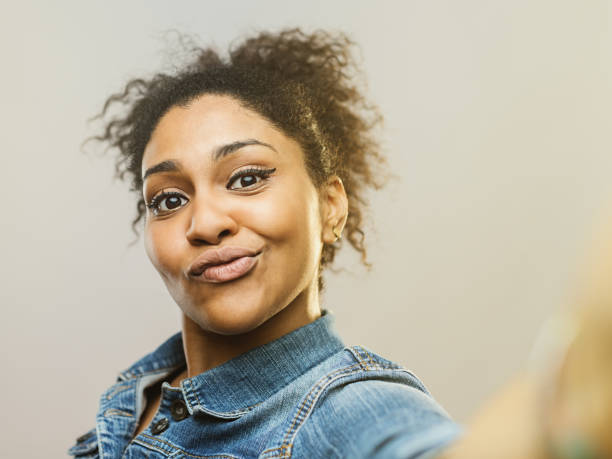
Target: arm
562, 409
507, 427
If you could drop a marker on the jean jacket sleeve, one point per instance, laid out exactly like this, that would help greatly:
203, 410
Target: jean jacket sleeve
383, 419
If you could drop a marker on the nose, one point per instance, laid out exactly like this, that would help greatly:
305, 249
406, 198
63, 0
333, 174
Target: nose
209, 223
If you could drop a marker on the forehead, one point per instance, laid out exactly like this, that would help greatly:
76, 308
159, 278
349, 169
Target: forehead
206, 123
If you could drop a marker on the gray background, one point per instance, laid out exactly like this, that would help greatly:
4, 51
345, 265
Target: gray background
497, 122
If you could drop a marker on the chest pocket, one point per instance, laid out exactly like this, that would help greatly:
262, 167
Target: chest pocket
86, 445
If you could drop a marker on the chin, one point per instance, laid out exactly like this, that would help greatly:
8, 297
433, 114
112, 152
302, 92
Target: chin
227, 319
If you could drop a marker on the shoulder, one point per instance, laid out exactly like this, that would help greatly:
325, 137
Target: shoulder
375, 384
369, 407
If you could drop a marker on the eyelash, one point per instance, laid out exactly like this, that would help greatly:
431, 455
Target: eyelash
258, 172
155, 202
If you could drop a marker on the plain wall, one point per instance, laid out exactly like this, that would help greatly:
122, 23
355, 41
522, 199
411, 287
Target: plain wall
497, 122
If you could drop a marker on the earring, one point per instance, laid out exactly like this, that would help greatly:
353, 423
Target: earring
335, 231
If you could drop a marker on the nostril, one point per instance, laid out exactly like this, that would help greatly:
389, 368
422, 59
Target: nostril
208, 226
198, 242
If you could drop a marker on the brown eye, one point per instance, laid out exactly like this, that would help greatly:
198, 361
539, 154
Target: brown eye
172, 202
248, 178
166, 202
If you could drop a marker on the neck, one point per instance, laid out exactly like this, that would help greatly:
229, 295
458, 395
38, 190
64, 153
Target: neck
205, 350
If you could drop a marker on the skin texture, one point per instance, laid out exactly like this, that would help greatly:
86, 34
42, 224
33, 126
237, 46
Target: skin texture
285, 216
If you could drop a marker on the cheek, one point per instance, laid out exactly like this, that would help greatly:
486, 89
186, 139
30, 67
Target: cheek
162, 247
289, 217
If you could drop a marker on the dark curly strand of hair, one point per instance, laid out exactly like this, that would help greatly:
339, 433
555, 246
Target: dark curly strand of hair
302, 83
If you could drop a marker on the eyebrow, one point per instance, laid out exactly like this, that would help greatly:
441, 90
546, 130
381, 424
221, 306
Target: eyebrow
217, 154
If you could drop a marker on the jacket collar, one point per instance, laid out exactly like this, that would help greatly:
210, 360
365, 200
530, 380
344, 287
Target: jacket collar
233, 388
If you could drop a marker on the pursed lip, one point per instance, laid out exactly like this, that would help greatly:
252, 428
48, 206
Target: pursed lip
219, 256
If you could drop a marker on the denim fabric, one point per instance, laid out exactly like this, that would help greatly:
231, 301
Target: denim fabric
304, 395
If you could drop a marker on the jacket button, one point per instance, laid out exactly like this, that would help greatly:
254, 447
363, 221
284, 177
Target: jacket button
160, 426
178, 409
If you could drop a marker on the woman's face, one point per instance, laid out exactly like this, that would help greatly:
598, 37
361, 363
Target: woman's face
218, 175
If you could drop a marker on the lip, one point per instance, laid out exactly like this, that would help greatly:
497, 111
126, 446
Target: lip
223, 264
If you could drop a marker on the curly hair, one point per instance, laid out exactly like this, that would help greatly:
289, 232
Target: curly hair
304, 84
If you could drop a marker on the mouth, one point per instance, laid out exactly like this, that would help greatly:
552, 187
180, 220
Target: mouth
225, 272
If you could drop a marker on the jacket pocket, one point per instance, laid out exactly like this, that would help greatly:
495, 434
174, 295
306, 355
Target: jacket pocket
86, 445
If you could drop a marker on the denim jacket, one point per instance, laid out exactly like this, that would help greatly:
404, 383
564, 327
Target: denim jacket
303, 395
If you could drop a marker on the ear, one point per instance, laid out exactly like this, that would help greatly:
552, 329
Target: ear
334, 209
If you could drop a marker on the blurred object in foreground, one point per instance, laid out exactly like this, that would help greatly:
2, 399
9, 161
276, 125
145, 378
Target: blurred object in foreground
580, 416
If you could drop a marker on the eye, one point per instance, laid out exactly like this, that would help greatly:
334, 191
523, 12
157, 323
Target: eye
166, 201
249, 177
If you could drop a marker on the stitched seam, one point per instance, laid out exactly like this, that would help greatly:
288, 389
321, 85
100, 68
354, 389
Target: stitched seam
307, 404
159, 440
192, 393
116, 412
281, 451
285, 445
380, 365
362, 352
369, 354
306, 409
363, 356
149, 445
357, 355
234, 412
181, 451
216, 456
117, 390
315, 388
247, 409
137, 374
285, 449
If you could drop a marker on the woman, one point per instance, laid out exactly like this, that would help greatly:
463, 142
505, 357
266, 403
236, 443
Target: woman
248, 171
